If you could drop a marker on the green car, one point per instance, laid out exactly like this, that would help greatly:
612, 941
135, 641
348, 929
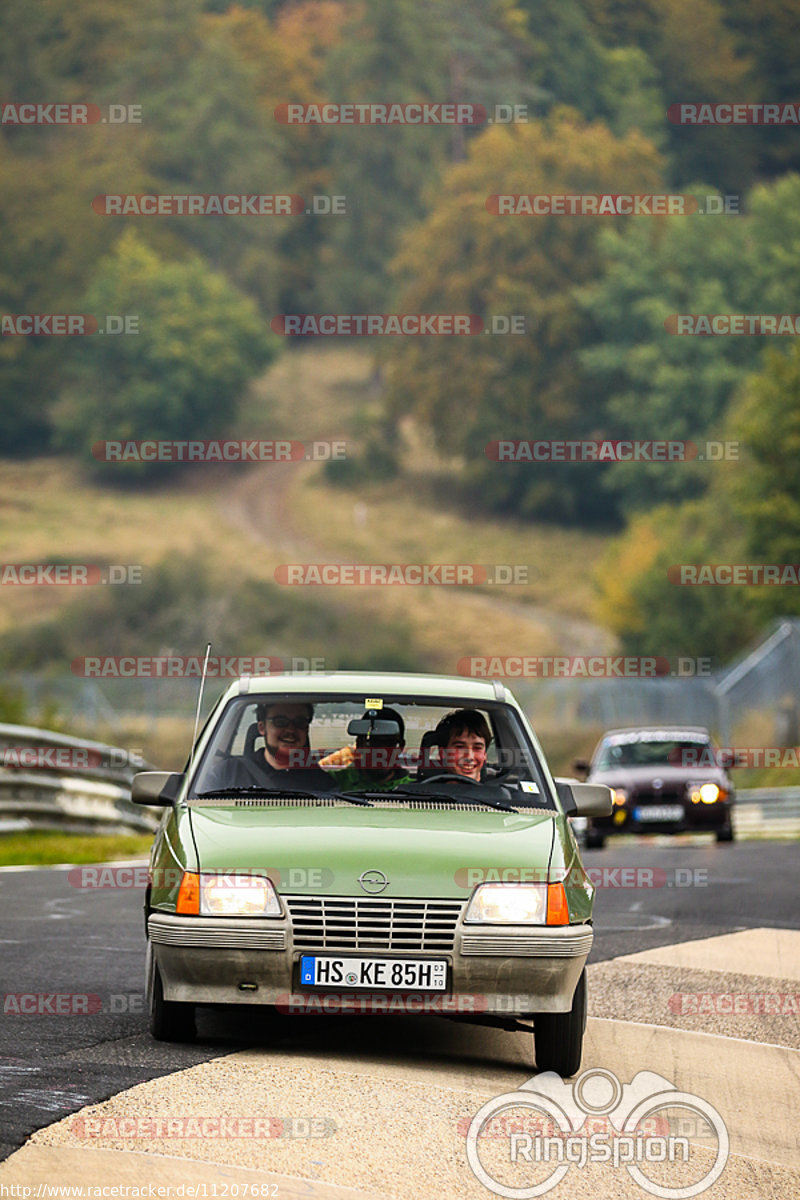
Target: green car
384, 843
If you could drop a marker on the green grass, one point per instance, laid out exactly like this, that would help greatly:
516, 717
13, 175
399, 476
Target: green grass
45, 848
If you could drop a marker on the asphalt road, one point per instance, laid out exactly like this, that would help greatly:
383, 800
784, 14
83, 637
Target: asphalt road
87, 944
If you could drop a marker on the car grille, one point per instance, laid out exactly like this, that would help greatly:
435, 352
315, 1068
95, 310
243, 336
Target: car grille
666, 795
370, 924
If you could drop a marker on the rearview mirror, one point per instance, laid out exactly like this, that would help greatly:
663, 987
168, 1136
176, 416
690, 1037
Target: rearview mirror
363, 727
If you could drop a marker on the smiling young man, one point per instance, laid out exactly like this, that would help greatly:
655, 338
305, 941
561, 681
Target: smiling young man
463, 738
285, 759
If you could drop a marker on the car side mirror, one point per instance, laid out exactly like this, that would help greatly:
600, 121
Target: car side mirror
159, 788
581, 767
584, 799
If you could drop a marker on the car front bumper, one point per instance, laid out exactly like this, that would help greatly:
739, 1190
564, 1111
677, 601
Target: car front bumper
504, 971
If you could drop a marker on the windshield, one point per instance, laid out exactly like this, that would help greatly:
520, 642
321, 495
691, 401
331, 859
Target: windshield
662, 752
353, 744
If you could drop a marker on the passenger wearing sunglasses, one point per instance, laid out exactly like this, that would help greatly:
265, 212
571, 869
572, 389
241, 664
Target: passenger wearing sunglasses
285, 758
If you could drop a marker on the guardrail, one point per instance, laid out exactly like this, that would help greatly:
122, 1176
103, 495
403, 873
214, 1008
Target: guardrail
52, 780
767, 811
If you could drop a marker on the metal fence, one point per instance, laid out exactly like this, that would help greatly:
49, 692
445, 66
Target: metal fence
764, 681
52, 780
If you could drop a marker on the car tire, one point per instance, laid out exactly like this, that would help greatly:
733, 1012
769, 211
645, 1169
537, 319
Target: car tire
725, 834
170, 1020
558, 1037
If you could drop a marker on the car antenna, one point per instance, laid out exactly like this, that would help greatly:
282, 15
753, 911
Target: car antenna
199, 703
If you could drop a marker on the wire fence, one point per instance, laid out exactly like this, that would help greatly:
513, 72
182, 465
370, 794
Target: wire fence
763, 685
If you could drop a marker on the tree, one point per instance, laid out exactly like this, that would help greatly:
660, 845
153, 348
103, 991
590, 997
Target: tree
651, 613
404, 51
464, 259
655, 384
767, 488
180, 376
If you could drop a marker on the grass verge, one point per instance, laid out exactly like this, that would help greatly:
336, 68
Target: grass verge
42, 848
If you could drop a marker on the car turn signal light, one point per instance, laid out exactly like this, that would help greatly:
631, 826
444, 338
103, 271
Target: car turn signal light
189, 895
557, 910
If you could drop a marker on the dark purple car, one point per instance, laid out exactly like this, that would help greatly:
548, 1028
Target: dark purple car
665, 779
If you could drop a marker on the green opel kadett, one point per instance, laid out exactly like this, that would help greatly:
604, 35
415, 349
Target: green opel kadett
351, 843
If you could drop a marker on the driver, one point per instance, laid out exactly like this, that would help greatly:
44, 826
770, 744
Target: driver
463, 739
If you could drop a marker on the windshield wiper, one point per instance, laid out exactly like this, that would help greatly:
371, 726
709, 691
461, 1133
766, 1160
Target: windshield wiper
290, 793
426, 794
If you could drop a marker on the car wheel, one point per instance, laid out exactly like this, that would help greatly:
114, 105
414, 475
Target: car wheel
725, 834
170, 1020
558, 1037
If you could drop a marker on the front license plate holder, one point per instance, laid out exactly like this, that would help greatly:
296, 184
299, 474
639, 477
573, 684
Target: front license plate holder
356, 973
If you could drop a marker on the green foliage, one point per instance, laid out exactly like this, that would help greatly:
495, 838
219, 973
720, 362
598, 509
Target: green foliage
401, 50
13, 706
654, 616
183, 603
654, 384
462, 259
181, 375
767, 488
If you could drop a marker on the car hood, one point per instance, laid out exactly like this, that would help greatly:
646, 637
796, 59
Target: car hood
433, 853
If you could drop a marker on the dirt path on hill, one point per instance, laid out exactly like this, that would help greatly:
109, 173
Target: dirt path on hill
257, 505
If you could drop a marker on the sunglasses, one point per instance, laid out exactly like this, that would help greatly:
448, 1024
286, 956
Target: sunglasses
285, 722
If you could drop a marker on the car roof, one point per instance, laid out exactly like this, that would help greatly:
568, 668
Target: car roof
375, 683
633, 731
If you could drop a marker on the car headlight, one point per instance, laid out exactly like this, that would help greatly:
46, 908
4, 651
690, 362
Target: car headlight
519, 904
619, 796
227, 894
705, 793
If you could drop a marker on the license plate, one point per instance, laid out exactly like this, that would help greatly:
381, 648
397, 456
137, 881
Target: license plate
413, 974
659, 812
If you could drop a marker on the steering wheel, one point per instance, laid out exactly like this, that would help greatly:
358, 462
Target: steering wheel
449, 777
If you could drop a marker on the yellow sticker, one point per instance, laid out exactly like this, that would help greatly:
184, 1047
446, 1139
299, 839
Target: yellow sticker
373, 703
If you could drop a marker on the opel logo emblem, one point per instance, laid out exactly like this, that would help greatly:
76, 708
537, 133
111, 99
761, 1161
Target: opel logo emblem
373, 882
658, 783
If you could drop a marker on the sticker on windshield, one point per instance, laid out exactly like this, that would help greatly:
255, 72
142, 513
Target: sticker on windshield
528, 785
373, 703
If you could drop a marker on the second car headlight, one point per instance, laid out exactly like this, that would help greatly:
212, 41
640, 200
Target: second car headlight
705, 793
519, 904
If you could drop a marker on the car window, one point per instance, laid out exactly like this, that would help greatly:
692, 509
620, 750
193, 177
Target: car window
236, 740
653, 752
